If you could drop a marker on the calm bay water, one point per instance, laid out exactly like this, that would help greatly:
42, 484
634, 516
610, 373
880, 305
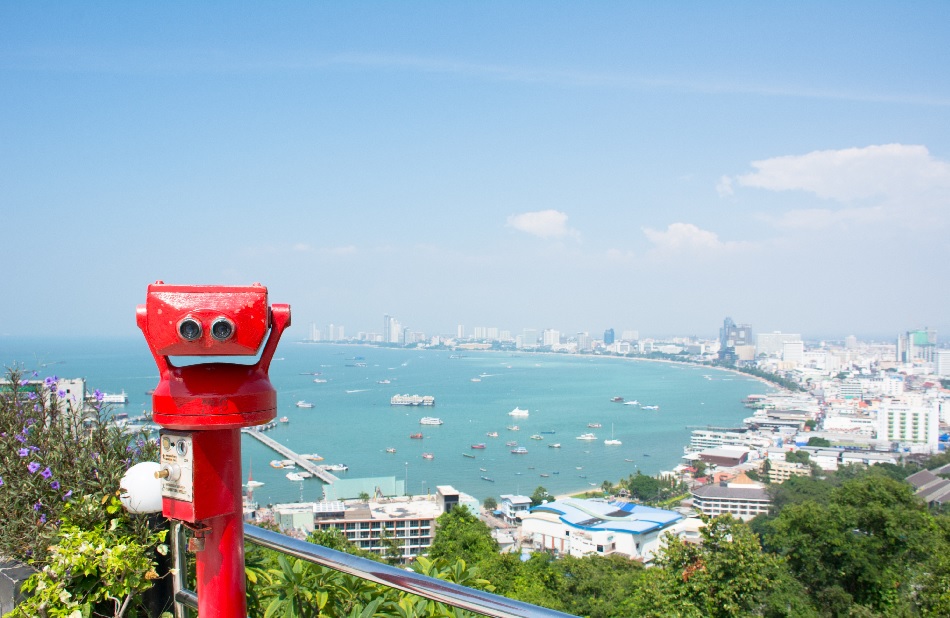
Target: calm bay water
352, 422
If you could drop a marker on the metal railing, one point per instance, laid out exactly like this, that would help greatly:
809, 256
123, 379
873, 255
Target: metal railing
477, 601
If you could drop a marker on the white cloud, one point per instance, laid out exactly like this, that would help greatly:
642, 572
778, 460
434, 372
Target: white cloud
822, 218
686, 237
890, 170
542, 223
724, 187
344, 250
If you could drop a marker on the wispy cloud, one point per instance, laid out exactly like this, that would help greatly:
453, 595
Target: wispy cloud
543, 224
688, 238
852, 173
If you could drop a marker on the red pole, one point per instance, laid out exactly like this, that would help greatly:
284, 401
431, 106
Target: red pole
220, 558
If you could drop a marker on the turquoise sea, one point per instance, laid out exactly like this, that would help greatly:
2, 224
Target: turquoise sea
352, 421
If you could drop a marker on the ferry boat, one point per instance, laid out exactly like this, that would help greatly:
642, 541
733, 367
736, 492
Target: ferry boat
415, 436
518, 412
304, 404
594, 425
412, 400
115, 397
587, 436
430, 420
428, 456
519, 450
492, 434
480, 445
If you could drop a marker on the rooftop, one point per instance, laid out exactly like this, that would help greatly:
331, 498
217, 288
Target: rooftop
616, 516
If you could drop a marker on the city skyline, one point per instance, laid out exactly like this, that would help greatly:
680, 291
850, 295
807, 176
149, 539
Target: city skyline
578, 167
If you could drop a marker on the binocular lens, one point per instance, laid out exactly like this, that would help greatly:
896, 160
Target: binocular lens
189, 329
222, 329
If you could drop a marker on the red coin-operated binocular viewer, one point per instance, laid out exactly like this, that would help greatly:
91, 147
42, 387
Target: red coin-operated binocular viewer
201, 408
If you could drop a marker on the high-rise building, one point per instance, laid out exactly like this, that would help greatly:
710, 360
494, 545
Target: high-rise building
732, 335
630, 335
392, 330
772, 344
608, 336
917, 345
529, 338
584, 342
550, 337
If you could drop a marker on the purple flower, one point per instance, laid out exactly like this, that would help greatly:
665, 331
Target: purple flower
21, 438
37, 407
24, 382
98, 394
49, 381
33, 448
1, 481
54, 484
43, 518
60, 393
33, 467
46, 473
29, 423
31, 396
37, 506
67, 494
35, 374
23, 452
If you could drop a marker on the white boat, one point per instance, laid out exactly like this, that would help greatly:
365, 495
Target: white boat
611, 441
319, 380
587, 436
335, 467
649, 407
295, 476
518, 412
555, 445
631, 403
115, 397
311, 457
430, 420
476, 379
304, 404
382, 381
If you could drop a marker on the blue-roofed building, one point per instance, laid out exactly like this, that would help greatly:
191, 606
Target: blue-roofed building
582, 527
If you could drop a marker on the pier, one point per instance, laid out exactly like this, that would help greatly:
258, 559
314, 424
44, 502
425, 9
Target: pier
306, 464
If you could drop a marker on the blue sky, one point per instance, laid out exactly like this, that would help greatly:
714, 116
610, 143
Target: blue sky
523, 165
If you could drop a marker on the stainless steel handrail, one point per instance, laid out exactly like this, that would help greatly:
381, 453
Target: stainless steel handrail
477, 601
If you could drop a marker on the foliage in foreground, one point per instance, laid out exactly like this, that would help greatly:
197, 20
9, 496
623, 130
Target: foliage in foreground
60, 466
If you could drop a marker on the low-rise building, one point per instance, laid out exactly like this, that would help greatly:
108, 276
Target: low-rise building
781, 471
742, 498
512, 507
582, 527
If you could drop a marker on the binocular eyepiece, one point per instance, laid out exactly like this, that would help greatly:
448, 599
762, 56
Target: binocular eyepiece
190, 329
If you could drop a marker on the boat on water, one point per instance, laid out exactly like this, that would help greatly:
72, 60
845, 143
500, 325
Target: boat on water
612, 441
304, 404
319, 381
537, 436
518, 412
284, 419
543, 475
311, 457
480, 445
430, 420
511, 443
513, 428
412, 400
251, 483
115, 397
428, 456
391, 450
469, 455
519, 450
594, 425
548, 431
555, 445
335, 467
488, 478
295, 476
492, 434
415, 436
617, 399
483, 469
383, 382
476, 379
631, 403
626, 459
587, 436
649, 407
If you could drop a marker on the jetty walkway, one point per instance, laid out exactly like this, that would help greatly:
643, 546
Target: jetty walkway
306, 464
